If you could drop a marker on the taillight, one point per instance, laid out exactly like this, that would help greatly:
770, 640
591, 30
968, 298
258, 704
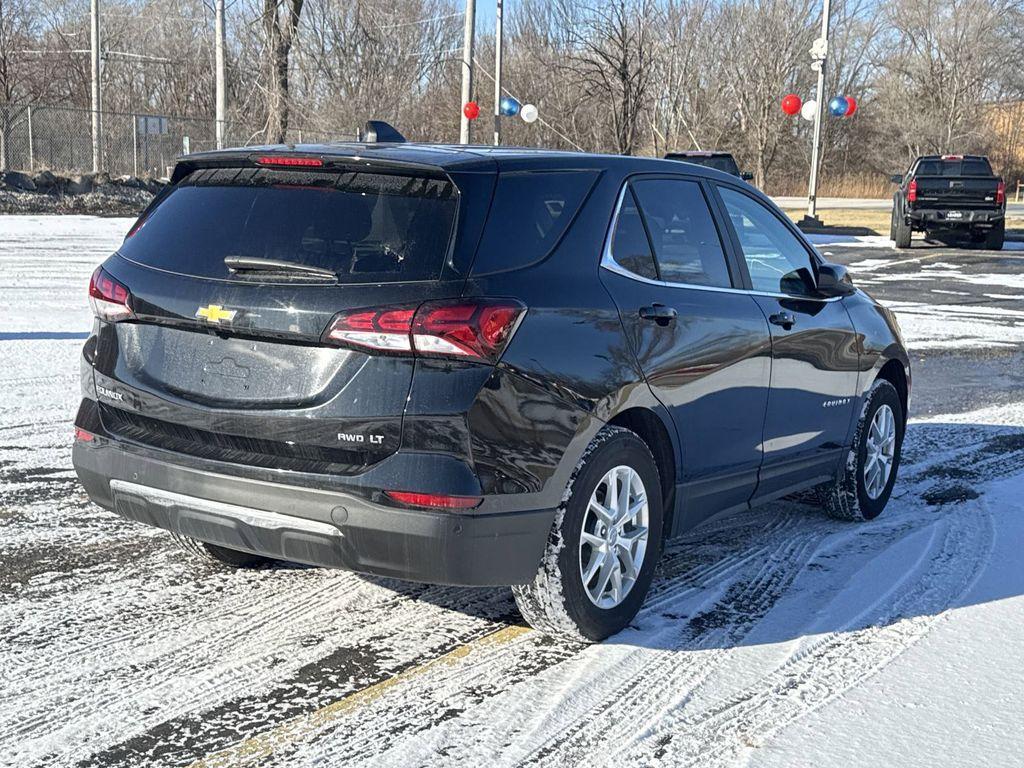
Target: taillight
433, 500
83, 436
474, 329
110, 300
912, 191
1001, 193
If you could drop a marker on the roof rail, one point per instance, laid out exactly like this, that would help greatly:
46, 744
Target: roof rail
378, 131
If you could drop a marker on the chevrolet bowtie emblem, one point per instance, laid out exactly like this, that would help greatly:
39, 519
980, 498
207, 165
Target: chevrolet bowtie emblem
215, 313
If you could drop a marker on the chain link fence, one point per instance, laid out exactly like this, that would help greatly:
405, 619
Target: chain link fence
34, 137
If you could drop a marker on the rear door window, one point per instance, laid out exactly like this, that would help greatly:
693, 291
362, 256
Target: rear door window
365, 227
683, 232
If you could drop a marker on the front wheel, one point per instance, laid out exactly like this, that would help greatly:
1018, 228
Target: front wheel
867, 478
603, 546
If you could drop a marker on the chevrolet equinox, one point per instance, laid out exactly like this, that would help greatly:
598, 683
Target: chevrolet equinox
477, 366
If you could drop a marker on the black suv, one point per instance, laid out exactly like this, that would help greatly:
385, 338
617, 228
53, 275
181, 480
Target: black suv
477, 366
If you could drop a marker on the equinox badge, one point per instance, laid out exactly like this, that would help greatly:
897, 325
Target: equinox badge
215, 313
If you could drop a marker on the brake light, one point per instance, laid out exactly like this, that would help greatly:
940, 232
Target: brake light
912, 191
1000, 193
110, 300
434, 500
952, 157
290, 161
477, 329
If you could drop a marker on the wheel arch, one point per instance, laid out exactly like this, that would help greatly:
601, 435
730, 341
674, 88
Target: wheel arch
894, 372
650, 426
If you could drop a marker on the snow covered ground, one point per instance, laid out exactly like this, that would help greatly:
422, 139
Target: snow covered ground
774, 638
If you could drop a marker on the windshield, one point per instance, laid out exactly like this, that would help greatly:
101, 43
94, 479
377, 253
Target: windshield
365, 227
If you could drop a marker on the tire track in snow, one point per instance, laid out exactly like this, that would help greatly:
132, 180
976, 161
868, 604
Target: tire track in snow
827, 666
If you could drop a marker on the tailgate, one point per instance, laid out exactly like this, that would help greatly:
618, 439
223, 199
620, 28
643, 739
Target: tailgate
942, 192
228, 364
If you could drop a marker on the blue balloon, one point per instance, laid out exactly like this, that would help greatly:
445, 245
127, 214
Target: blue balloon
838, 106
509, 107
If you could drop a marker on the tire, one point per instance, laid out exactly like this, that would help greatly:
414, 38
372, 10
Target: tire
851, 497
995, 237
220, 555
900, 228
557, 601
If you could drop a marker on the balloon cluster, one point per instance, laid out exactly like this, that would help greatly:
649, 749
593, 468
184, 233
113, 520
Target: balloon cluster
839, 106
507, 107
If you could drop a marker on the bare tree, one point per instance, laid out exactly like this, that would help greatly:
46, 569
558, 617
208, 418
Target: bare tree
280, 21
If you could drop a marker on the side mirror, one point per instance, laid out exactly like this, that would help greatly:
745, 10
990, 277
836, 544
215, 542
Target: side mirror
799, 282
835, 280
747, 176
896, 178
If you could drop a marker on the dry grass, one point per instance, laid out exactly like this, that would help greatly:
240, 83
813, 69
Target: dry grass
876, 221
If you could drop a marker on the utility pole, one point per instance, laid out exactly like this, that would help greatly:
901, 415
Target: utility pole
95, 52
218, 30
467, 68
497, 74
819, 52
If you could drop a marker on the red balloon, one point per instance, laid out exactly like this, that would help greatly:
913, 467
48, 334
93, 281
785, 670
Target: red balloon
471, 110
851, 106
791, 104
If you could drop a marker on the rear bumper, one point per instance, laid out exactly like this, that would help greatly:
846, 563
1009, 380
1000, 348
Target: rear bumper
314, 526
941, 218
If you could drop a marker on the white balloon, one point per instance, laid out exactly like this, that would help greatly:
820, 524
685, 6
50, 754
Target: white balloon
528, 113
809, 110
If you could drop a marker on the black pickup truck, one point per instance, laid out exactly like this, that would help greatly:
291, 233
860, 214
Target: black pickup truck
720, 161
950, 192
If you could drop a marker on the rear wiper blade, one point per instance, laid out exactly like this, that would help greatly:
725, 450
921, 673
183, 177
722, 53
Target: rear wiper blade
255, 264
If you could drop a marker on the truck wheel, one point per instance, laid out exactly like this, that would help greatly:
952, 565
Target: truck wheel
995, 237
221, 555
603, 546
866, 480
900, 230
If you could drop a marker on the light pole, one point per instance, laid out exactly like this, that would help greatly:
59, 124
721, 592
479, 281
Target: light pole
819, 53
497, 74
94, 51
218, 31
467, 68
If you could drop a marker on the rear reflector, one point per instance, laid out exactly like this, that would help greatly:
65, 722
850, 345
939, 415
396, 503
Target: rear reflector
110, 300
477, 329
82, 436
434, 500
290, 161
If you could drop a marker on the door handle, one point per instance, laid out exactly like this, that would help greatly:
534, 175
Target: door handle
784, 319
659, 313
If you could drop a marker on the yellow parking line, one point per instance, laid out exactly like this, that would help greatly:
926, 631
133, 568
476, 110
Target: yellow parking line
289, 732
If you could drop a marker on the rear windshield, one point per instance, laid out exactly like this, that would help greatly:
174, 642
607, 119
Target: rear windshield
957, 167
365, 227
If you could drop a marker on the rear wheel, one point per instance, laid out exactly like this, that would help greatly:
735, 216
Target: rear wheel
995, 237
865, 483
221, 555
604, 544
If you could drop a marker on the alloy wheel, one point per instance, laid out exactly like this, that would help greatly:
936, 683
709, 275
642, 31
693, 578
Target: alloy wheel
881, 451
613, 541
